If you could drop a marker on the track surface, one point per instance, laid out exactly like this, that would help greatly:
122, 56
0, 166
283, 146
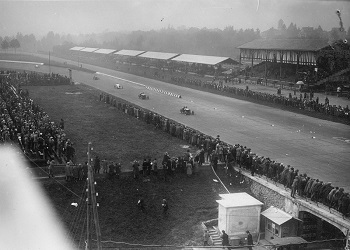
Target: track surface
316, 147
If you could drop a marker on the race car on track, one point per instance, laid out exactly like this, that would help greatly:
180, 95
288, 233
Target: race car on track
118, 86
143, 96
186, 111
95, 78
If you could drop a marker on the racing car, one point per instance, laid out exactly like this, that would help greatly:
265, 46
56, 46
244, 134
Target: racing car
186, 111
95, 78
118, 86
143, 96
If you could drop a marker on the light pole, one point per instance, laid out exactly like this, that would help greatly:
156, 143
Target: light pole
49, 63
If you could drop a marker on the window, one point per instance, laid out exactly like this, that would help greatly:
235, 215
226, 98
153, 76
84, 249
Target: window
277, 230
269, 226
273, 228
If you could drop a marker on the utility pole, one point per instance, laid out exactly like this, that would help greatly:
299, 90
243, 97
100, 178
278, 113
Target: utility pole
92, 202
88, 235
49, 63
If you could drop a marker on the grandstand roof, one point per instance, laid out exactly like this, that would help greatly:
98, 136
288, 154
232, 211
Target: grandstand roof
210, 60
104, 51
286, 44
77, 48
89, 49
126, 52
158, 55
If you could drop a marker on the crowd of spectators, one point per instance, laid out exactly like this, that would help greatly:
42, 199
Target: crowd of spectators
33, 78
217, 84
215, 151
25, 122
305, 101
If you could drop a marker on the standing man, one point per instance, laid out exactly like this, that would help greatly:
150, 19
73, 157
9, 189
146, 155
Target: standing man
165, 206
225, 241
135, 168
62, 124
206, 237
249, 240
51, 167
97, 165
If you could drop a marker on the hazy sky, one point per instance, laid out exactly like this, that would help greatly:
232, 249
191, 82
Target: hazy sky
81, 17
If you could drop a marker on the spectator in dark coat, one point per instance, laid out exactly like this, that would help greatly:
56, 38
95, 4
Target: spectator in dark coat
290, 175
165, 206
225, 240
97, 165
303, 181
249, 240
330, 196
316, 191
295, 186
141, 205
345, 205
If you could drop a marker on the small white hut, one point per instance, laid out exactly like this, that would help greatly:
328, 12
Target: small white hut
239, 212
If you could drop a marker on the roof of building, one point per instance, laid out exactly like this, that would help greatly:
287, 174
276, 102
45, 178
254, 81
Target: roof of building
105, 51
210, 60
238, 200
89, 49
77, 48
127, 52
158, 55
287, 240
276, 215
286, 44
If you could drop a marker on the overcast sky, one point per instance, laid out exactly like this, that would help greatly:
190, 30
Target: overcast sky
81, 17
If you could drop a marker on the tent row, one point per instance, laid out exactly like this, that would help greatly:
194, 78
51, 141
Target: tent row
200, 59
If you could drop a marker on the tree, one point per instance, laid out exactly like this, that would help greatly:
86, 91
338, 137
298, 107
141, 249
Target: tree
14, 43
281, 25
5, 44
292, 31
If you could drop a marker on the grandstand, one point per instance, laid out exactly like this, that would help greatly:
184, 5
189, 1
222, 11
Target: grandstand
313, 61
318, 64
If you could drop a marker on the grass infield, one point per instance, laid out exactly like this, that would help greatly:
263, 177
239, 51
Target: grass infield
120, 137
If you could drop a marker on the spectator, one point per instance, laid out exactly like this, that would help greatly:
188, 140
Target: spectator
206, 237
249, 240
97, 165
225, 240
165, 206
141, 205
295, 186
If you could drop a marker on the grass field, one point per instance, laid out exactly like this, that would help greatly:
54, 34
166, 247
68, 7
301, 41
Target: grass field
119, 137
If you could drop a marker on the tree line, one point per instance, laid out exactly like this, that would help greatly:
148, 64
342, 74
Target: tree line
215, 42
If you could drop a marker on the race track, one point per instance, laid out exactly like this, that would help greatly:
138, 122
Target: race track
316, 147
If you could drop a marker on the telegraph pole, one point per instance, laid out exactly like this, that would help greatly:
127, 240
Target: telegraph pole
49, 63
92, 202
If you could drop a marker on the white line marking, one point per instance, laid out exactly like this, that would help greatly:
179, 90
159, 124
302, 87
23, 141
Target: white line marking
21, 62
147, 87
99, 73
